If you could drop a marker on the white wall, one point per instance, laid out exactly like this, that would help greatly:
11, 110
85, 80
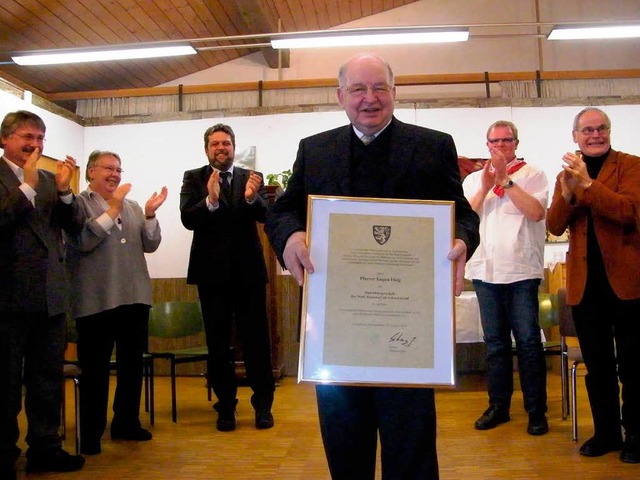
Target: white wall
157, 154
63, 136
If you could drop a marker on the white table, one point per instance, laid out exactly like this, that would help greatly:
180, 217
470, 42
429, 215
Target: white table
468, 326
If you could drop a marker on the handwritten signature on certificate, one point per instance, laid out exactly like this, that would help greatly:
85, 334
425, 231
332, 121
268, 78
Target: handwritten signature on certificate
399, 340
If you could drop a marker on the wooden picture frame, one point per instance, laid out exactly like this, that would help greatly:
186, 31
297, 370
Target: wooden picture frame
49, 164
551, 238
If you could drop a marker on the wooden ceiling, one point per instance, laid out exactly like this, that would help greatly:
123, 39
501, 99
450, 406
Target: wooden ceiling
49, 24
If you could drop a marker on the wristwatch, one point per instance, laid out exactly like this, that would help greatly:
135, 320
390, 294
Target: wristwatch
509, 184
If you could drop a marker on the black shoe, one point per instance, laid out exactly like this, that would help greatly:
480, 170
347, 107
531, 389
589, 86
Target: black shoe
631, 449
90, 448
137, 433
492, 417
264, 419
597, 446
53, 460
538, 424
8, 472
226, 421
226, 415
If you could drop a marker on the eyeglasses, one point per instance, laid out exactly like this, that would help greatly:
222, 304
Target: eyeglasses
111, 169
28, 137
591, 130
503, 140
360, 90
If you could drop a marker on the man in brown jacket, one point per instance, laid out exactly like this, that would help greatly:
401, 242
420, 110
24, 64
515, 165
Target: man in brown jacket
597, 195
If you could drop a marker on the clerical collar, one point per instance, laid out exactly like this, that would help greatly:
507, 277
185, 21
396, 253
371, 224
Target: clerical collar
375, 135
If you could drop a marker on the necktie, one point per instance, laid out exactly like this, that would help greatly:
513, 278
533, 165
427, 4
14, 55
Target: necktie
367, 139
498, 190
225, 178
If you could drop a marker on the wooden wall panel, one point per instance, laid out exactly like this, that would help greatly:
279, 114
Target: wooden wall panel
168, 289
288, 314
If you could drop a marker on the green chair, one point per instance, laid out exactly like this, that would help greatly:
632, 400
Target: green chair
570, 354
548, 317
176, 320
71, 372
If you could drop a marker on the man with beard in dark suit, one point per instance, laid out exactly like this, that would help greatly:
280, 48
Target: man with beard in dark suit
221, 203
375, 156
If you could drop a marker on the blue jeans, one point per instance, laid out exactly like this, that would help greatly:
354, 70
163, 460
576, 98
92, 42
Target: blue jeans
506, 308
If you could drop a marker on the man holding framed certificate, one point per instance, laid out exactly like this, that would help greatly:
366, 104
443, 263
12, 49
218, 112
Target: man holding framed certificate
376, 156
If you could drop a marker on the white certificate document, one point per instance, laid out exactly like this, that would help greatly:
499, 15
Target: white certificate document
379, 289
378, 310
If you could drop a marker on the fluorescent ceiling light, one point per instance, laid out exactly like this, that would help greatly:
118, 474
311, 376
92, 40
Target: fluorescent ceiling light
53, 57
353, 39
587, 33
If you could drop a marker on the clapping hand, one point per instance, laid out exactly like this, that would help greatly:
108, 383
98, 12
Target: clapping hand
213, 186
574, 173
488, 177
499, 164
155, 201
30, 169
575, 166
117, 198
253, 185
64, 173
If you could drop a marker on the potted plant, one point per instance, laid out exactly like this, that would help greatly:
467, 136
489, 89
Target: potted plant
279, 179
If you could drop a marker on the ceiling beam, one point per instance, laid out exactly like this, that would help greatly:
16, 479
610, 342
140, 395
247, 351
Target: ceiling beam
400, 80
258, 18
21, 85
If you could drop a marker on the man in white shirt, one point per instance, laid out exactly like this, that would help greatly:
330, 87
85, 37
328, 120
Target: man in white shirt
510, 196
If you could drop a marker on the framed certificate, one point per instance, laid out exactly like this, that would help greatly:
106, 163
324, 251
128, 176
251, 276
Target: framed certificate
49, 163
379, 307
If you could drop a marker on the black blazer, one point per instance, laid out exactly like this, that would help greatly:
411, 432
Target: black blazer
226, 245
33, 278
423, 165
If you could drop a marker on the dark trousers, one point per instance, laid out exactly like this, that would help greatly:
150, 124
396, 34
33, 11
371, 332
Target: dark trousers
246, 305
31, 352
506, 308
609, 334
405, 418
125, 327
